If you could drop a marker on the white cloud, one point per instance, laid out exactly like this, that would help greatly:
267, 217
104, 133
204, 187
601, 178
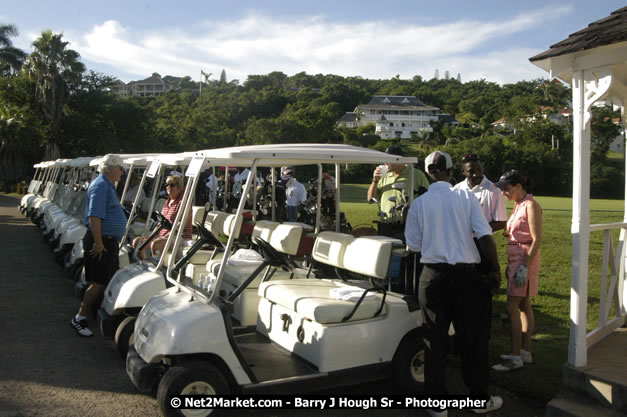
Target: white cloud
376, 49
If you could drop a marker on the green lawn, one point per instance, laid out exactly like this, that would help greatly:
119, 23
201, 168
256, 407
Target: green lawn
542, 379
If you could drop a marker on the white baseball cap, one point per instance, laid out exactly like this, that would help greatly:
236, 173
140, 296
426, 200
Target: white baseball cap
439, 160
110, 160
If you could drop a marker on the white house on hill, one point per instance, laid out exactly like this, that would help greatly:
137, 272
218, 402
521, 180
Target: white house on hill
393, 116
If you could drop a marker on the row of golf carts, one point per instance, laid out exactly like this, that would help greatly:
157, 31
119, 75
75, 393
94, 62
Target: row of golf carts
249, 305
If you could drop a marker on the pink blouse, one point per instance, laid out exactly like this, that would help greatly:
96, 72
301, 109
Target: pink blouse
169, 211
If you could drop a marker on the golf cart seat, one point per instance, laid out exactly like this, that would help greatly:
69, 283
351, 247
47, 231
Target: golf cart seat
329, 301
219, 224
283, 237
215, 222
138, 226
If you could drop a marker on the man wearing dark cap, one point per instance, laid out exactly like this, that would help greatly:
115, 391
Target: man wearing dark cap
440, 225
381, 184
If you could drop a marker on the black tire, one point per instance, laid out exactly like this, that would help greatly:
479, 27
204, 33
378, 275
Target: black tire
408, 364
126, 336
67, 264
77, 271
60, 254
194, 378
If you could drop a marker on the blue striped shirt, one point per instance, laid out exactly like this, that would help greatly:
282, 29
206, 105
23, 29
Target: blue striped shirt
103, 202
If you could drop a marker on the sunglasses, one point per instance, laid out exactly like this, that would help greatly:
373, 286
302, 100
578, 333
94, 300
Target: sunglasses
471, 157
170, 184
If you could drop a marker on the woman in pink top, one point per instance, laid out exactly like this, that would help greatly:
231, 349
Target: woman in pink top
175, 189
524, 236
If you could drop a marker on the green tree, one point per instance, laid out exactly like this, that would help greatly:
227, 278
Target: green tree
603, 133
56, 71
21, 128
11, 58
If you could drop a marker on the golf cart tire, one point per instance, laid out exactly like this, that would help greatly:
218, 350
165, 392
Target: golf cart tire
408, 363
77, 271
124, 336
182, 380
61, 253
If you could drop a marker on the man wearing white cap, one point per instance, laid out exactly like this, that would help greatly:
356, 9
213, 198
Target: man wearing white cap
295, 192
106, 222
440, 225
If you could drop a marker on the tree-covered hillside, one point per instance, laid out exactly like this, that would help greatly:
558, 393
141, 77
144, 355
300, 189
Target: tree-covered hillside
53, 106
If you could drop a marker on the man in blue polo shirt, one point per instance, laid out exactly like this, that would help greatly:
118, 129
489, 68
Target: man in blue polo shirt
106, 222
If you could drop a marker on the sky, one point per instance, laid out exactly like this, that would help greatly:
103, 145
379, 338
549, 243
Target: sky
478, 39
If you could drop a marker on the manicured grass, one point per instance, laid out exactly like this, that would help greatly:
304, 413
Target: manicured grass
542, 379
616, 156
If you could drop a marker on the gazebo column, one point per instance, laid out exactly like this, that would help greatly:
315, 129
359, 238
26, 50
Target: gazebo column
588, 86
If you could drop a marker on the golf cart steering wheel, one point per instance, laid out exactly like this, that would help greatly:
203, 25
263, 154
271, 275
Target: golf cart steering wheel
207, 236
273, 257
160, 218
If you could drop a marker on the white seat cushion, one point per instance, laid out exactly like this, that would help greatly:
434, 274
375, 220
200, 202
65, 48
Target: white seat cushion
329, 248
370, 255
286, 238
313, 298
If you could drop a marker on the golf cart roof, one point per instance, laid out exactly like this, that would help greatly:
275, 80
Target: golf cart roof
142, 160
174, 159
304, 154
61, 162
81, 161
96, 161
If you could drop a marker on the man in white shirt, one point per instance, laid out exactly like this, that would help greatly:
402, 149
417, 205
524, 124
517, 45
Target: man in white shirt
212, 186
490, 197
440, 225
295, 193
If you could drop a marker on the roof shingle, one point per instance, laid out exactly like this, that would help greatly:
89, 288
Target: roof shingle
606, 31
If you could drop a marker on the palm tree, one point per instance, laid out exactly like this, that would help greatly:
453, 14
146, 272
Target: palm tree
56, 71
11, 58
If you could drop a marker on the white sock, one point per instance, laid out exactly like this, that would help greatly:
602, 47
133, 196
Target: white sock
79, 317
515, 358
523, 352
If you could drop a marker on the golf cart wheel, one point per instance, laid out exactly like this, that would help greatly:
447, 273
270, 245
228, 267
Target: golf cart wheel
78, 271
194, 378
125, 336
409, 363
60, 254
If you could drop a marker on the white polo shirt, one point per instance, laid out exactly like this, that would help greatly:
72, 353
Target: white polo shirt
295, 193
490, 198
440, 225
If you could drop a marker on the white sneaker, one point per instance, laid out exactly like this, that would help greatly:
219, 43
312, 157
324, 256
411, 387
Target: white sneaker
494, 403
508, 365
81, 328
437, 413
525, 356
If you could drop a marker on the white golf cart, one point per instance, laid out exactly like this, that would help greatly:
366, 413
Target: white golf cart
33, 187
135, 282
132, 287
52, 179
70, 237
322, 331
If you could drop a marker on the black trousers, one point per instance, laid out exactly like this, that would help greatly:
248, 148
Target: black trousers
101, 270
455, 294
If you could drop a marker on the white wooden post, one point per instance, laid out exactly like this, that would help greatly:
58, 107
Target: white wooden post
589, 85
580, 226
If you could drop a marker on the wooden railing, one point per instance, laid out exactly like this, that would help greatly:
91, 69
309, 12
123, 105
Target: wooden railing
613, 266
